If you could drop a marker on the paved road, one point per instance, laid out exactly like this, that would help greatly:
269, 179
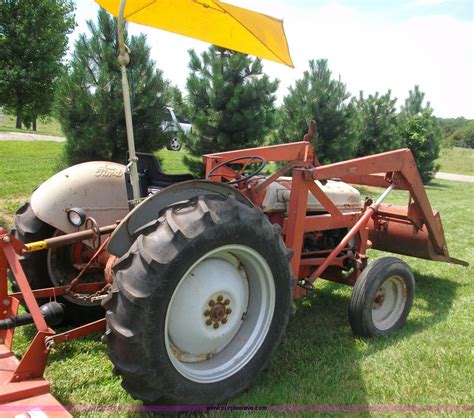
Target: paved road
455, 177
20, 136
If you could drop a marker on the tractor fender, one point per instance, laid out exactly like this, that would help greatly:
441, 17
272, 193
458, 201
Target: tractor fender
149, 210
98, 187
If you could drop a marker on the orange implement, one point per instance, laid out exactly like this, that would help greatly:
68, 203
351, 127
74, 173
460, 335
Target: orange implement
23, 389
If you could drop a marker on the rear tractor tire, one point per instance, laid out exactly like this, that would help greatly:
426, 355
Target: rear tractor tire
52, 268
199, 303
382, 298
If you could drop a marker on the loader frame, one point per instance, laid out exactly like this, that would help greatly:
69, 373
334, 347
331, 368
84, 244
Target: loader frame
375, 226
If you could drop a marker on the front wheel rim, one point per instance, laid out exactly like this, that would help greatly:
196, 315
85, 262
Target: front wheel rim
389, 303
220, 313
175, 145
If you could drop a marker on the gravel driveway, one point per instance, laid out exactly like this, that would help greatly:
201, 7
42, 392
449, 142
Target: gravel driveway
20, 136
455, 177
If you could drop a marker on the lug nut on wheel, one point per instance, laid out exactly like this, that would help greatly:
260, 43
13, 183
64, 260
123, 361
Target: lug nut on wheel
217, 314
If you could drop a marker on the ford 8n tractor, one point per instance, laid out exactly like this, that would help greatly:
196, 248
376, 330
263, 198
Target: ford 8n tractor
197, 280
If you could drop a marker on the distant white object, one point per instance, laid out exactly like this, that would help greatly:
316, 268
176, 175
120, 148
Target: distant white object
175, 124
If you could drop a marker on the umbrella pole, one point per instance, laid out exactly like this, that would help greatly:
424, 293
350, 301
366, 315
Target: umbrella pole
124, 59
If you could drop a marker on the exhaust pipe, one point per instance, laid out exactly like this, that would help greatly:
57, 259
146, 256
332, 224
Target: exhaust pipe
53, 313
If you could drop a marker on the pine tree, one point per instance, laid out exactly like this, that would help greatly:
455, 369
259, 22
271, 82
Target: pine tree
230, 103
320, 97
414, 103
421, 133
90, 101
33, 40
377, 124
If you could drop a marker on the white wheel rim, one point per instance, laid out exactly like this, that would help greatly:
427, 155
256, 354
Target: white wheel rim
389, 303
235, 277
174, 144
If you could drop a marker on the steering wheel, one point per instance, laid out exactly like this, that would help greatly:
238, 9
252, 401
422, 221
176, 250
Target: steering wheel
261, 165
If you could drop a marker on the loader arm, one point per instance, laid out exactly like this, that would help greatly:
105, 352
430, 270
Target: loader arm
413, 230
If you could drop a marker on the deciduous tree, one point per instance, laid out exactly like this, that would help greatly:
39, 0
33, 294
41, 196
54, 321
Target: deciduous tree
33, 40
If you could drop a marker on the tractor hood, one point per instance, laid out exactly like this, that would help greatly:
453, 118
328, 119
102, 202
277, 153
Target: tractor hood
98, 187
344, 196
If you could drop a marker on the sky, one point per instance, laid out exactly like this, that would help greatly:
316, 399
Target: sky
372, 45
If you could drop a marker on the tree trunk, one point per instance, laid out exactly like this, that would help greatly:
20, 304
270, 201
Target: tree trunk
34, 123
19, 117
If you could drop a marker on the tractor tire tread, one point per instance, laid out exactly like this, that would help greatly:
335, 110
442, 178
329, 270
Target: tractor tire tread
156, 251
358, 303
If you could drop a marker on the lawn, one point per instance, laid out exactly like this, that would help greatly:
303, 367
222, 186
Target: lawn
49, 126
23, 167
429, 363
457, 160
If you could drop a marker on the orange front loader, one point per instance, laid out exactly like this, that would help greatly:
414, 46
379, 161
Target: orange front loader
414, 230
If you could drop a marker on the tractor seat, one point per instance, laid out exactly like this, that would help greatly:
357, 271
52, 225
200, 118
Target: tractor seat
151, 177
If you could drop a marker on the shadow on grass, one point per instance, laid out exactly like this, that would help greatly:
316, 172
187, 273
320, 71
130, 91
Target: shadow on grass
436, 185
434, 298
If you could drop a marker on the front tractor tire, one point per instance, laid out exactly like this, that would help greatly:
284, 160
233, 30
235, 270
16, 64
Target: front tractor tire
199, 303
52, 268
382, 298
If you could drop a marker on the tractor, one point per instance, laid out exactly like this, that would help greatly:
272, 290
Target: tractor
196, 281
192, 281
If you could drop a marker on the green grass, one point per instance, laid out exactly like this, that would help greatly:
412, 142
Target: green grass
457, 160
50, 126
428, 363
23, 167
172, 161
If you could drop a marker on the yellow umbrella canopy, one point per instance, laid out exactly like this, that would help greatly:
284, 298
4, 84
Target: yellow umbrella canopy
212, 21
